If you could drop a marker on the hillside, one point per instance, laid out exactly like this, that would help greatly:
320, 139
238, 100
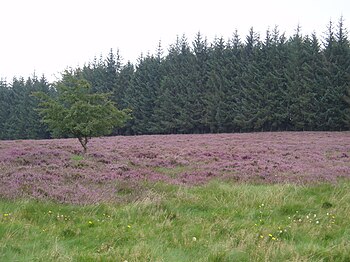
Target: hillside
55, 170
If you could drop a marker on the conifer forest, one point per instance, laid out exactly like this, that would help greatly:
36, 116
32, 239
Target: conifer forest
258, 82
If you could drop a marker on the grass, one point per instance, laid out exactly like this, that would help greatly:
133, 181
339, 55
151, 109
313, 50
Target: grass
220, 221
172, 172
77, 158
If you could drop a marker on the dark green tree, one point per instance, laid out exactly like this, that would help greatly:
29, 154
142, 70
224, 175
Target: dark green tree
15, 123
337, 54
346, 118
177, 100
254, 84
4, 107
141, 94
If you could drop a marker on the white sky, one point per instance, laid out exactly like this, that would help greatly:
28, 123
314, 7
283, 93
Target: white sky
47, 36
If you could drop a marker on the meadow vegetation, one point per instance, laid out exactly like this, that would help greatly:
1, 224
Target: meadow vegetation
220, 221
228, 197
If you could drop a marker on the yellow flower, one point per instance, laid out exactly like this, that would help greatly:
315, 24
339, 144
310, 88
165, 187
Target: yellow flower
273, 238
270, 235
90, 222
129, 226
261, 236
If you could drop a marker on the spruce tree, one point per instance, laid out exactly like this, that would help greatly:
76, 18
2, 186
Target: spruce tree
337, 54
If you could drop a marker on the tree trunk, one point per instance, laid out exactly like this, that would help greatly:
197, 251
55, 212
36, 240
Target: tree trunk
83, 141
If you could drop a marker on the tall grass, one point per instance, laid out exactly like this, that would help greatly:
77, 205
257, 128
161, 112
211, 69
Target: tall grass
217, 222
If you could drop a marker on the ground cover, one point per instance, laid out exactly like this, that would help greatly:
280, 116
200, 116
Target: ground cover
219, 221
55, 169
226, 197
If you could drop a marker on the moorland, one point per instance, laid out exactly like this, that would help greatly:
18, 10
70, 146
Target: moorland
280, 196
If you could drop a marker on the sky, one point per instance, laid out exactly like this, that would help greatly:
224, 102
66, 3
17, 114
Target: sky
48, 36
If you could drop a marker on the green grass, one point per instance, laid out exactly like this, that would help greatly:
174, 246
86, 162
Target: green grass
77, 158
216, 222
172, 172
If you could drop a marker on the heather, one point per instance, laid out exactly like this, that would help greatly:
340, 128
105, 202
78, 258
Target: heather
55, 170
280, 196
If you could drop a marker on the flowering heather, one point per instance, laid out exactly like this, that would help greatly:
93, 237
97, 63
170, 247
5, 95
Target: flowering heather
54, 170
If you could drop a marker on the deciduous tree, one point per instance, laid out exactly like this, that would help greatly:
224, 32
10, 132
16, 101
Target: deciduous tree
78, 112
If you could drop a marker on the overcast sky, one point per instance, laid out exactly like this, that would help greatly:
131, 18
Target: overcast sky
47, 36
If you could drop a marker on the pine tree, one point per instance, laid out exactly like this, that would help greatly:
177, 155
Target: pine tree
176, 89
4, 107
38, 129
254, 84
297, 85
196, 102
222, 87
141, 95
346, 117
337, 53
15, 123
251, 99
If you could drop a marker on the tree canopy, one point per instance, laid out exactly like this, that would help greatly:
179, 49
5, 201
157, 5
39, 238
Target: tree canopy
76, 111
260, 82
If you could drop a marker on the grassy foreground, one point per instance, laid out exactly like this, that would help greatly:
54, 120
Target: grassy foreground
216, 222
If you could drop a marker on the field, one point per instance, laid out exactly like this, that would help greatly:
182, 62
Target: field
220, 197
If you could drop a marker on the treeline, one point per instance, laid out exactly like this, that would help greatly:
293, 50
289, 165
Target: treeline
268, 83
18, 116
